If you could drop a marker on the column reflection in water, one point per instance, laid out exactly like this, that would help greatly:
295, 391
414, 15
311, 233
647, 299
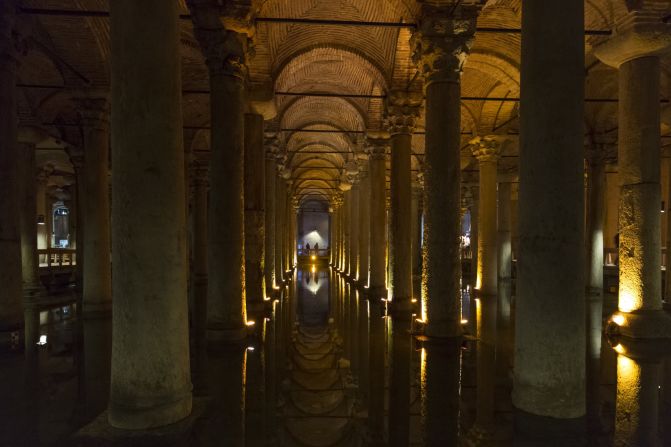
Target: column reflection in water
637, 404
95, 364
399, 381
270, 376
377, 375
440, 386
363, 345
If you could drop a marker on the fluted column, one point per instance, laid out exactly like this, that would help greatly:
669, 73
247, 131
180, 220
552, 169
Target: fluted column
364, 226
378, 236
402, 114
642, 36
549, 382
441, 46
254, 191
97, 287
150, 382
226, 309
271, 203
486, 150
11, 311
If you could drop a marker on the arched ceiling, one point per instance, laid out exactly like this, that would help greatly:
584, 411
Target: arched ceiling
343, 70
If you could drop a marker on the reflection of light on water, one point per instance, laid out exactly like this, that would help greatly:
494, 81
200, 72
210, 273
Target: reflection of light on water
313, 287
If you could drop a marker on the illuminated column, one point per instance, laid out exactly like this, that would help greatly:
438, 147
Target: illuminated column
255, 201
280, 194
596, 183
442, 43
549, 380
346, 230
364, 226
402, 114
271, 203
11, 293
339, 201
293, 212
150, 378
642, 36
354, 231
32, 286
504, 337
225, 55
416, 212
473, 199
378, 239
97, 287
486, 150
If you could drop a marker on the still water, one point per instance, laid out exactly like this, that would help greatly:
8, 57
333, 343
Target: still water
324, 367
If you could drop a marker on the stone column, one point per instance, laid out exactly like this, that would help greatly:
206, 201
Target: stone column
226, 308
279, 230
338, 201
32, 285
549, 383
441, 46
473, 192
416, 215
270, 195
364, 227
353, 232
150, 382
199, 180
77, 159
42, 213
402, 114
11, 311
255, 202
378, 239
346, 228
97, 287
596, 209
642, 36
504, 338
486, 150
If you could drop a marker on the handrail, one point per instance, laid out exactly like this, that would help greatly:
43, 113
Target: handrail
57, 257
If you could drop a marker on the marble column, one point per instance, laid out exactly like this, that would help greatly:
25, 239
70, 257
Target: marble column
402, 114
32, 285
42, 212
199, 180
504, 329
255, 201
76, 156
11, 293
97, 287
486, 150
150, 382
270, 194
353, 232
279, 230
416, 215
225, 53
549, 383
364, 227
642, 36
596, 210
378, 239
346, 228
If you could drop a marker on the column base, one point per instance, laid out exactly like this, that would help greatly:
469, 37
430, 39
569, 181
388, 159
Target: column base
648, 325
143, 417
534, 430
100, 433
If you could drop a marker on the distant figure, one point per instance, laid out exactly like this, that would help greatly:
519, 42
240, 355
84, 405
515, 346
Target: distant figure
317, 247
307, 248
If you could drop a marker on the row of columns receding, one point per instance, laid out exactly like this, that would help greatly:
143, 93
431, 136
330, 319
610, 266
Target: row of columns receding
151, 378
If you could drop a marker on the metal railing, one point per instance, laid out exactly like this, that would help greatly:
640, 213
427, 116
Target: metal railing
57, 257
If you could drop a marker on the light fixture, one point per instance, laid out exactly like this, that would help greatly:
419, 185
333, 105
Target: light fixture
618, 319
313, 257
40, 219
464, 321
250, 323
43, 340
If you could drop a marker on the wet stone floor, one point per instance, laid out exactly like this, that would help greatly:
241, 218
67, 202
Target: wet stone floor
325, 367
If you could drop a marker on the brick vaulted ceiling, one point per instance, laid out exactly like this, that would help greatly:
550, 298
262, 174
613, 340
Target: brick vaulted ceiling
72, 52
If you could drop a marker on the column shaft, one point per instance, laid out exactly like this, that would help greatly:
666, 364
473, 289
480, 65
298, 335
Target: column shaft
442, 206
254, 211
269, 249
279, 230
364, 230
150, 382
549, 383
11, 311
29, 258
401, 227
354, 232
378, 240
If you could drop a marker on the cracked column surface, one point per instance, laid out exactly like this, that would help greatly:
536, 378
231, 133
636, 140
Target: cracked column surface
549, 381
150, 381
636, 48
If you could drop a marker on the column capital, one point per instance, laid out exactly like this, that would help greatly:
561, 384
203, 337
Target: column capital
225, 51
376, 144
76, 156
418, 183
402, 111
640, 33
44, 172
487, 148
443, 40
601, 150
272, 144
337, 200
93, 110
